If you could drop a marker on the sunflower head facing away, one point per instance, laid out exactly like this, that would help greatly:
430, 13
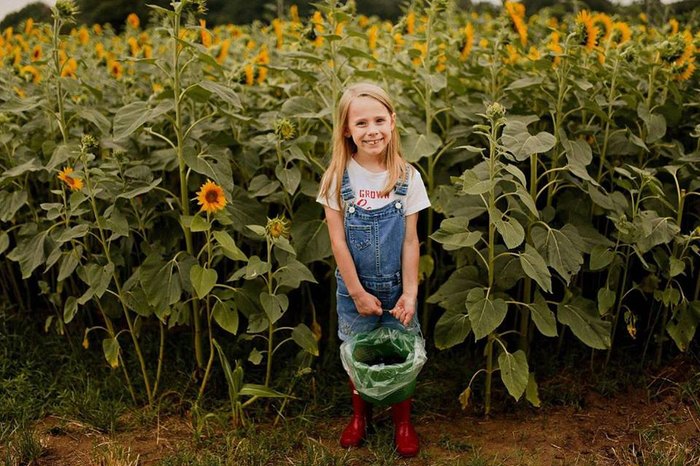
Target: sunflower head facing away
73, 182
211, 197
277, 227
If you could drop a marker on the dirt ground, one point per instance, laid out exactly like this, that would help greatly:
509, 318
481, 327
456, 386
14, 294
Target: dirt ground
627, 429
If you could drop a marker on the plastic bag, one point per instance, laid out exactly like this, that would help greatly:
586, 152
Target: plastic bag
384, 363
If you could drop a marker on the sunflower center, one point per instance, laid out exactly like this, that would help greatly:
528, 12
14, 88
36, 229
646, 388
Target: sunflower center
211, 196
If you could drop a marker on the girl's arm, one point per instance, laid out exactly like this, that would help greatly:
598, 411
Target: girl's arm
410, 258
365, 303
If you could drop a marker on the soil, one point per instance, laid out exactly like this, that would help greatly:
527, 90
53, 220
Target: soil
617, 430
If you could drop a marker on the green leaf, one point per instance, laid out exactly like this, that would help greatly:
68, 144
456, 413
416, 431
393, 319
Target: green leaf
521, 144
451, 329
199, 223
581, 317
293, 273
304, 337
4, 241
129, 118
77, 231
601, 257
261, 391
70, 308
224, 93
606, 300
416, 146
30, 253
203, 280
226, 315
485, 313
561, 248
453, 293
684, 324
229, 246
514, 372
676, 266
110, 347
138, 188
531, 392
69, 262
655, 230
32, 165
274, 305
284, 244
542, 316
522, 83
255, 357
311, 240
289, 177
472, 184
534, 266
512, 232
453, 234
11, 202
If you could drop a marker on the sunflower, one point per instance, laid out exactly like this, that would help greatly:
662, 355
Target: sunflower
673, 22
294, 13
317, 28
72, 181
277, 227
133, 20
204, 34
29, 70
372, 37
399, 41
83, 36
685, 71
586, 30
621, 32
516, 12
411, 22
115, 69
211, 197
556, 49
468, 41
69, 68
277, 26
223, 51
604, 24
37, 53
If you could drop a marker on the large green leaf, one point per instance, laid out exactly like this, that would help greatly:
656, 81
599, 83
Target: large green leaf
289, 177
654, 229
10, 203
311, 240
304, 337
110, 348
451, 329
30, 253
129, 118
224, 93
203, 280
542, 316
453, 234
226, 315
581, 317
293, 273
485, 312
535, 267
514, 372
531, 392
416, 146
453, 293
561, 249
521, 144
274, 305
510, 229
684, 324
229, 246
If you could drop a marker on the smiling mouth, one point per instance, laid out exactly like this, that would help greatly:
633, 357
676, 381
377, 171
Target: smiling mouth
374, 142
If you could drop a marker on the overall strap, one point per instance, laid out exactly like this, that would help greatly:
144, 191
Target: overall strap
401, 187
346, 190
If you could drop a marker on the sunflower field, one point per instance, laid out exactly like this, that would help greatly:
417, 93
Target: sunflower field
159, 184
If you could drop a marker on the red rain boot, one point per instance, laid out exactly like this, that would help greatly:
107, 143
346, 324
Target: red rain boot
355, 431
405, 436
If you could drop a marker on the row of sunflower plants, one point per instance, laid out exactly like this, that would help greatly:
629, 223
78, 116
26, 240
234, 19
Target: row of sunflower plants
561, 158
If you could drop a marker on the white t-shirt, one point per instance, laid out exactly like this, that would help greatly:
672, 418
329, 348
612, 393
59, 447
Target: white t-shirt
368, 186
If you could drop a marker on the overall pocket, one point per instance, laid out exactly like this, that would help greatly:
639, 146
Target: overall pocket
359, 236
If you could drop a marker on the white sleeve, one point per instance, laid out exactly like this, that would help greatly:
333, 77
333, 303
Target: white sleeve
331, 201
417, 197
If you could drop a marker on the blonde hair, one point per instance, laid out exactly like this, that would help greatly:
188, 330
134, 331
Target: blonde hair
344, 147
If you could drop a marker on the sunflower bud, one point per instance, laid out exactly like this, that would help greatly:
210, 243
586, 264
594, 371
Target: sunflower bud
277, 227
495, 111
66, 10
88, 144
284, 129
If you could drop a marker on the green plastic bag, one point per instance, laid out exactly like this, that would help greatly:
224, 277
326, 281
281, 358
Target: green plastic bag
384, 364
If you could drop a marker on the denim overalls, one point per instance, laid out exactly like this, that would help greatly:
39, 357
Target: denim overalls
375, 239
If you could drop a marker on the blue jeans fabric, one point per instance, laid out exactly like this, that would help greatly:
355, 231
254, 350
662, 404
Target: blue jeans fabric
375, 239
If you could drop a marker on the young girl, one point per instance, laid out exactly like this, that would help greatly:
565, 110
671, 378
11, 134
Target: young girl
372, 197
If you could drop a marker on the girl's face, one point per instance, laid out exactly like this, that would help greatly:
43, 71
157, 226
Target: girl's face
370, 125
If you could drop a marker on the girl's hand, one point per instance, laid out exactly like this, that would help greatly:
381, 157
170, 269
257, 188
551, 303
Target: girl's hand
405, 309
367, 304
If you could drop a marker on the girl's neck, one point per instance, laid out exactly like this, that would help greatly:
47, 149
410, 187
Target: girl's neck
372, 164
